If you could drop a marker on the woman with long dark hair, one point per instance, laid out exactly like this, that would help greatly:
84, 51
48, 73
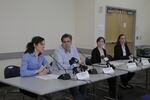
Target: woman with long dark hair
122, 52
33, 61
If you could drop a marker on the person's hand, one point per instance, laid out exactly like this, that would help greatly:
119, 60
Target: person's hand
42, 69
45, 71
83, 66
82, 63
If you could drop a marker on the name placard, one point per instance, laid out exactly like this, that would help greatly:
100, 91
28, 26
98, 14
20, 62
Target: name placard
132, 66
145, 62
108, 70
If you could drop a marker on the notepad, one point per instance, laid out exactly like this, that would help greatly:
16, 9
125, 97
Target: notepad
48, 77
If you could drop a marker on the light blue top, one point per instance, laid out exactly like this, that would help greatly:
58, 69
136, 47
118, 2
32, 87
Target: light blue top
30, 64
63, 57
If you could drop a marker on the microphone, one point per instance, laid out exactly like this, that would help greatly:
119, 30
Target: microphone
81, 71
65, 76
91, 71
71, 62
81, 67
106, 59
135, 59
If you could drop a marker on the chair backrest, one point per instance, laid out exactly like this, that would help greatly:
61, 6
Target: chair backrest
12, 71
88, 61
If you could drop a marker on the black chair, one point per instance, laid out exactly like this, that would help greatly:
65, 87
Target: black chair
88, 61
10, 72
14, 71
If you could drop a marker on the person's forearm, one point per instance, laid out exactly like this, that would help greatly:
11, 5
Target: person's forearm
26, 73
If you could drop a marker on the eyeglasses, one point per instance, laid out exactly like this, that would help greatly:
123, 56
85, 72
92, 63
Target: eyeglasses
122, 38
101, 41
66, 41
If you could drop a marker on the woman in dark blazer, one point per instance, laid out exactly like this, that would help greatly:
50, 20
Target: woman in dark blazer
122, 52
119, 53
97, 54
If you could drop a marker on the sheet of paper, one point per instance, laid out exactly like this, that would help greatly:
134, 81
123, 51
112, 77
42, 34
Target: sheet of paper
100, 65
115, 63
48, 77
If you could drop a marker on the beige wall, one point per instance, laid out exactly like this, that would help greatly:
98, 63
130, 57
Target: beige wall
146, 26
84, 11
22, 19
142, 23
84, 19
142, 17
